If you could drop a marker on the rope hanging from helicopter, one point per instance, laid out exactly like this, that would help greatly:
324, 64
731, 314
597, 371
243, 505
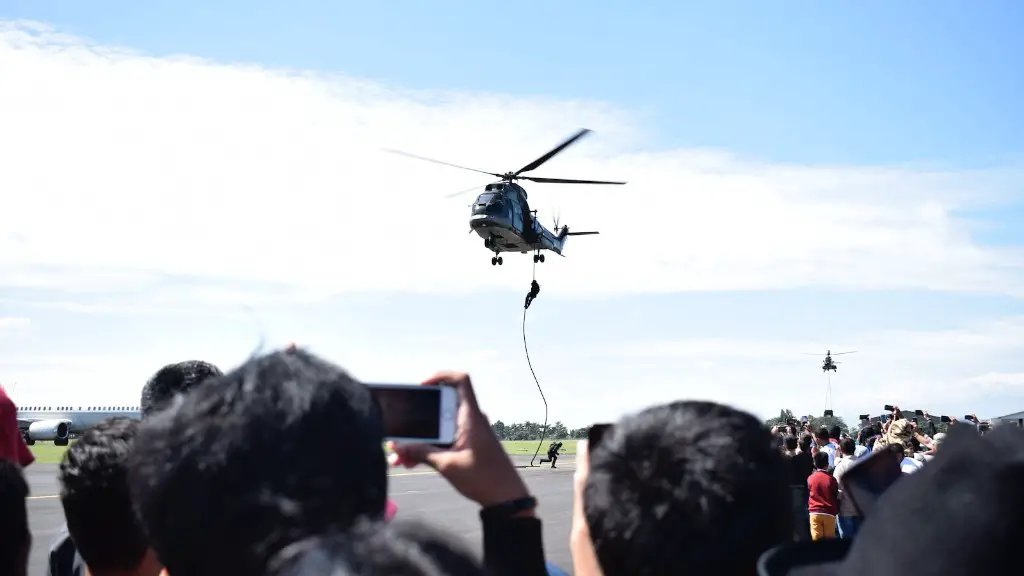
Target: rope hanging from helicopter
530, 296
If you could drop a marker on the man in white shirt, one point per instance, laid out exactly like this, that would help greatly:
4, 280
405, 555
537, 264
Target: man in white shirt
849, 518
824, 445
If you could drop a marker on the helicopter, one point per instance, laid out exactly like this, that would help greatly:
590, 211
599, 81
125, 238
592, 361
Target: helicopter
501, 214
829, 364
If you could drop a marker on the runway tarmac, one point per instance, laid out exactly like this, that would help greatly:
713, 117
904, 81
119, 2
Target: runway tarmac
419, 493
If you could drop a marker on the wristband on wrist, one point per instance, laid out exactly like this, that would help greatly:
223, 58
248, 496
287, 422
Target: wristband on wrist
506, 510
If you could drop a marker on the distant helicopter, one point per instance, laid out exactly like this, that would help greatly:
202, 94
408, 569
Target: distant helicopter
828, 363
501, 214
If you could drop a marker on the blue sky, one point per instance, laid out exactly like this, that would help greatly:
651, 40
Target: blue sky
801, 178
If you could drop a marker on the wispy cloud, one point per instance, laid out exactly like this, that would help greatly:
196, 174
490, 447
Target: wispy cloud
13, 323
180, 166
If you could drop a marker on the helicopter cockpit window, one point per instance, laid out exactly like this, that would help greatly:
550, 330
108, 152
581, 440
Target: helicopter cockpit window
500, 208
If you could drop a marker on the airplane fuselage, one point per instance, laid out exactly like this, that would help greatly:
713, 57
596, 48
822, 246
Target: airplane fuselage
56, 422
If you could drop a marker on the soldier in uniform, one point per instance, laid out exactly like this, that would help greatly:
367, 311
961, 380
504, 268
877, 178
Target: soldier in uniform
552, 453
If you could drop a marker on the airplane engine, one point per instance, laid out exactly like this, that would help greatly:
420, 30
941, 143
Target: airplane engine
56, 430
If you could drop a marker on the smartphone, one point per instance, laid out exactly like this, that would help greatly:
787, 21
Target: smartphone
968, 417
889, 408
595, 434
869, 477
865, 417
915, 420
919, 412
828, 413
416, 413
803, 419
945, 419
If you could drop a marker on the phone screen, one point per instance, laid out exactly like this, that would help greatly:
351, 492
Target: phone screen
595, 434
415, 413
868, 478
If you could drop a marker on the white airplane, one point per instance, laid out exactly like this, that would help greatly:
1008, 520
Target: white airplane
57, 422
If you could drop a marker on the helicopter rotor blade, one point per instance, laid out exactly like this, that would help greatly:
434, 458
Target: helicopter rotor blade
554, 151
441, 162
566, 180
461, 192
840, 353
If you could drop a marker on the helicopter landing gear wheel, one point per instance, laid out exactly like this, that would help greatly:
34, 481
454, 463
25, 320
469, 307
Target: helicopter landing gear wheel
497, 260
538, 258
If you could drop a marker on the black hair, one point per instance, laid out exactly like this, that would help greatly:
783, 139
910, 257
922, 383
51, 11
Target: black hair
94, 493
282, 448
805, 442
821, 433
371, 548
847, 446
791, 443
17, 539
686, 488
821, 460
174, 379
835, 432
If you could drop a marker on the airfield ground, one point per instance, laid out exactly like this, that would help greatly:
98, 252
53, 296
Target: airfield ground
47, 453
419, 493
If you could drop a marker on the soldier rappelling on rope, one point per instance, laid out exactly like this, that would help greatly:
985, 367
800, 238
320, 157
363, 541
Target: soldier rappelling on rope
534, 291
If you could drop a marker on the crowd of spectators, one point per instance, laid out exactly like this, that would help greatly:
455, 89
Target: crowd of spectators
225, 475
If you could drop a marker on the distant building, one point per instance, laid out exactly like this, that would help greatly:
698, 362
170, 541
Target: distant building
1016, 418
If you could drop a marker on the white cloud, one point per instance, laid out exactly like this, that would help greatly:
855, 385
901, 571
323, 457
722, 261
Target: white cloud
10, 324
121, 168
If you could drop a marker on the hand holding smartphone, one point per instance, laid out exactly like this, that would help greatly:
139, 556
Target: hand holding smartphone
412, 413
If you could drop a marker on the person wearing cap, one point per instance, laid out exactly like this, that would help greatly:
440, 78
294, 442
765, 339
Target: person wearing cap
12, 442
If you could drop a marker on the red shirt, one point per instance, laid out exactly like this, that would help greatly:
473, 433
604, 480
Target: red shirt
12, 444
824, 493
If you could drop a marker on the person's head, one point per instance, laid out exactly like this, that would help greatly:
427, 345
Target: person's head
94, 493
835, 432
821, 461
805, 442
686, 487
174, 379
284, 447
790, 443
371, 549
17, 539
848, 447
821, 436
895, 450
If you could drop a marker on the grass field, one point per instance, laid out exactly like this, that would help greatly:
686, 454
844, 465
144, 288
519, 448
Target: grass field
46, 452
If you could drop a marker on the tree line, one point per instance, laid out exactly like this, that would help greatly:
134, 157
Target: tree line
786, 416
535, 430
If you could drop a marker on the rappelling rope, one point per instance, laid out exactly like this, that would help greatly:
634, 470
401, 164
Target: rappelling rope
828, 391
526, 348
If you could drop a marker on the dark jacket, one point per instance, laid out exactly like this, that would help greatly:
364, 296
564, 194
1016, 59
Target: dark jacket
514, 547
